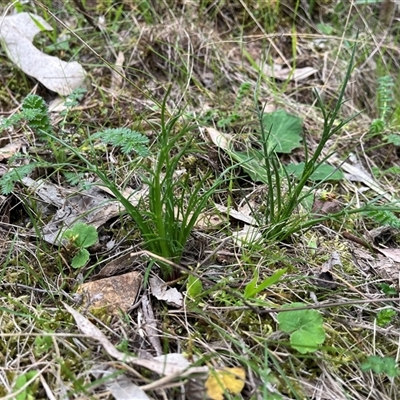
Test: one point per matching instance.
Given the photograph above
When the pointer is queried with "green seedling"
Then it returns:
(388, 290)
(42, 344)
(79, 237)
(381, 365)
(305, 328)
(28, 391)
(385, 316)
(252, 288)
(194, 287)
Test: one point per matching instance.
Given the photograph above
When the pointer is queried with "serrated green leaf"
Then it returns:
(126, 139)
(80, 259)
(379, 365)
(284, 131)
(394, 139)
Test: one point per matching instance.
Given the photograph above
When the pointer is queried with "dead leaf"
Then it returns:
(208, 221)
(239, 215)
(87, 328)
(119, 385)
(325, 277)
(325, 207)
(133, 196)
(17, 33)
(332, 262)
(150, 325)
(221, 140)
(164, 365)
(296, 74)
(159, 290)
(385, 268)
(230, 380)
(356, 172)
(115, 293)
(393, 254)
(118, 73)
(10, 149)
(249, 234)
(91, 206)
(116, 266)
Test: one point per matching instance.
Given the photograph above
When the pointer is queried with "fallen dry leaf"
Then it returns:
(167, 364)
(91, 206)
(160, 291)
(119, 385)
(17, 33)
(356, 172)
(325, 278)
(296, 74)
(249, 234)
(208, 221)
(239, 215)
(118, 73)
(221, 140)
(150, 325)
(10, 149)
(393, 254)
(115, 293)
(230, 380)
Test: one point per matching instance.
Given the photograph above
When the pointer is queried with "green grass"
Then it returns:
(189, 67)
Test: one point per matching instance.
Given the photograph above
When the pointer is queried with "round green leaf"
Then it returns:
(305, 326)
(80, 259)
(285, 131)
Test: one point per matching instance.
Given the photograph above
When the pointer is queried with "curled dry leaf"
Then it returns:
(17, 33)
(239, 215)
(221, 140)
(118, 73)
(160, 291)
(296, 74)
(248, 235)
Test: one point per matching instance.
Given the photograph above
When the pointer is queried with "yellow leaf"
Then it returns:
(227, 379)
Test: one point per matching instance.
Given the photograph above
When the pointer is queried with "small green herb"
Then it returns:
(81, 236)
(129, 141)
(30, 391)
(194, 287)
(388, 290)
(253, 289)
(42, 344)
(14, 175)
(385, 316)
(381, 365)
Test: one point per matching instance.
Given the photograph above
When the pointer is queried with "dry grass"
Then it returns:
(206, 52)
